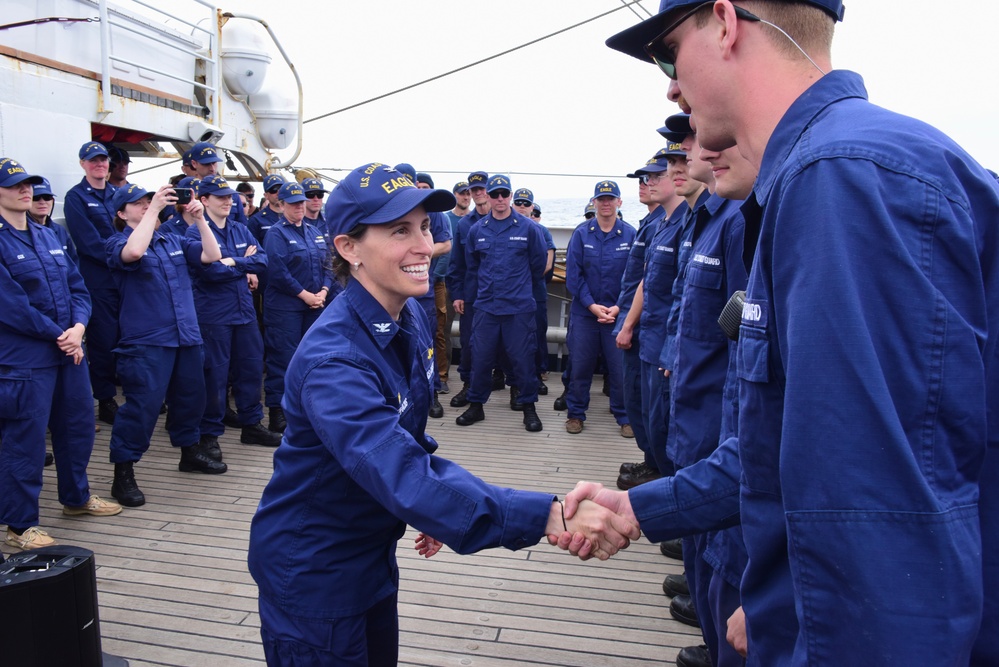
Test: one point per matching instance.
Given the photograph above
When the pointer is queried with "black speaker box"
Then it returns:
(48, 609)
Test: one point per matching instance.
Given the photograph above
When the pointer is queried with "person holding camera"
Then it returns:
(160, 354)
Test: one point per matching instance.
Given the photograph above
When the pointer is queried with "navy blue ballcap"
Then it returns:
(128, 194)
(408, 170)
(43, 188)
(291, 193)
(374, 194)
(313, 185)
(423, 177)
(271, 181)
(659, 162)
(525, 194)
(498, 182)
(590, 208)
(537, 208)
(12, 173)
(204, 153)
(214, 185)
(606, 189)
(118, 156)
(460, 186)
(679, 123)
(477, 179)
(633, 40)
(190, 182)
(92, 149)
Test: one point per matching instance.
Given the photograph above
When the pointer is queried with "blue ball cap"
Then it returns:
(606, 189)
(498, 182)
(477, 179)
(632, 41)
(204, 153)
(374, 194)
(659, 162)
(190, 182)
(408, 170)
(92, 149)
(291, 193)
(679, 123)
(313, 185)
(423, 177)
(43, 188)
(460, 186)
(272, 180)
(590, 208)
(128, 194)
(214, 185)
(524, 193)
(12, 173)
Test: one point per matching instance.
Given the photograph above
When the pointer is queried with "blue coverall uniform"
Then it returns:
(64, 238)
(297, 259)
(160, 353)
(41, 295)
(440, 230)
(463, 286)
(541, 311)
(867, 357)
(595, 262)
(355, 467)
(234, 348)
(507, 256)
(631, 363)
(261, 222)
(89, 219)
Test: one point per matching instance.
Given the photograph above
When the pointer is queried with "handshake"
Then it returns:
(598, 522)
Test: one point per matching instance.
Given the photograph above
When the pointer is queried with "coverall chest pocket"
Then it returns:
(703, 304)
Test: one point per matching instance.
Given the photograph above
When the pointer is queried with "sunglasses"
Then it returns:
(274, 190)
(665, 57)
(42, 197)
(650, 179)
(536, 214)
(499, 194)
(314, 195)
(522, 202)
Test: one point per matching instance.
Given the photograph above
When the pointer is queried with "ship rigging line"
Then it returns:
(648, 14)
(627, 4)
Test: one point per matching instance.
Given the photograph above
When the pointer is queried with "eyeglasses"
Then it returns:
(42, 197)
(665, 57)
(535, 214)
(650, 179)
(499, 194)
(522, 202)
(589, 215)
(314, 195)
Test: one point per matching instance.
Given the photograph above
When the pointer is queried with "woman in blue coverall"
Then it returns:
(298, 281)
(44, 311)
(356, 464)
(160, 352)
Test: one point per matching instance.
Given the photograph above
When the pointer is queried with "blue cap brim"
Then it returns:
(210, 161)
(294, 199)
(21, 178)
(222, 193)
(408, 199)
(632, 41)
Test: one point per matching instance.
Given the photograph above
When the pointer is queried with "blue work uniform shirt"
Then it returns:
(221, 293)
(507, 256)
(867, 336)
(262, 221)
(541, 285)
(157, 299)
(657, 284)
(440, 230)
(440, 271)
(634, 270)
(297, 259)
(356, 466)
(460, 285)
(90, 221)
(594, 263)
(175, 225)
(41, 295)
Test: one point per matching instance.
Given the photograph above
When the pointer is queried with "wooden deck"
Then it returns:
(174, 588)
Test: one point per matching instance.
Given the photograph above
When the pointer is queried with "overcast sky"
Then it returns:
(569, 104)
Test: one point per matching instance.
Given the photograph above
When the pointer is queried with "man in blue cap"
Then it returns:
(270, 213)
(867, 351)
(506, 252)
(202, 161)
(89, 219)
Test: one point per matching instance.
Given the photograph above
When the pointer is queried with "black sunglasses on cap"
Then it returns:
(499, 194)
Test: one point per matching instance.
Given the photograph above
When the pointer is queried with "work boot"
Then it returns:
(499, 380)
(532, 422)
(436, 409)
(124, 489)
(196, 459)
(629, 468)
(672, 549)
(641, 475)
(460, 399)
(256, 434)
(693, 656)
(49, 459)
(514, 404)
(231, 418)
(473, 414)
(573, 425)
(278, 423)
(560, 404)
(542, 388)
(210, 444)
(682, 609)
(107, 408)
(675, 584)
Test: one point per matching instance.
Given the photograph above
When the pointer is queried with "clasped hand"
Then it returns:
(615, 515)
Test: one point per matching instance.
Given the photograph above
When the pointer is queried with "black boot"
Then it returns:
(542, 388)
(124, 489)
(436, 409)
(560, 403)
(106, 410)
(49, 459)
(256, 434)
(210, 444)
(514, 405)
(196, 459)
(531, 420)
(230, 418)
(499, 380)
(460, 399)
(473, 414)
(278, 424)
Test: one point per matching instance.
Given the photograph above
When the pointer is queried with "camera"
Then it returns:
(183, 195)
